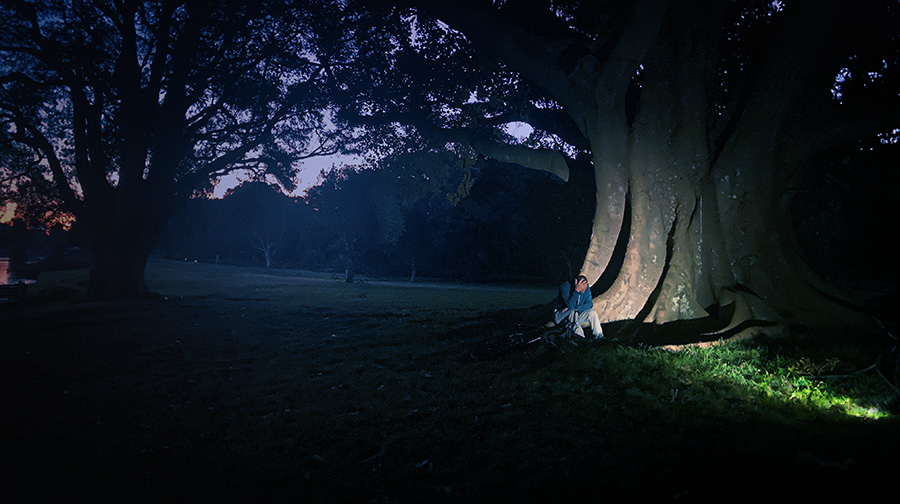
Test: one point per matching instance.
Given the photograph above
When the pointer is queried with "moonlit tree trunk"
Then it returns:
(707, 228)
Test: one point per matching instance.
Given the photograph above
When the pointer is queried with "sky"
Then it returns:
(307, 176)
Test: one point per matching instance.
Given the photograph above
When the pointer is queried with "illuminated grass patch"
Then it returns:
(738, 377)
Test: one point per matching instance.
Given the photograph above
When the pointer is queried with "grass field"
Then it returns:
(237, 386)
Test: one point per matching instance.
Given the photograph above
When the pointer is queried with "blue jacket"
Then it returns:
(574, 300)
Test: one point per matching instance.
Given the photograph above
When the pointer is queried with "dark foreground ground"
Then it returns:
(305, 390)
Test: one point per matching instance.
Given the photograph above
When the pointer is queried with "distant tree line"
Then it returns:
(412, 217)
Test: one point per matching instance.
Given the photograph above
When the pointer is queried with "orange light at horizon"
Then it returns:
(63, 219)
(66, 220)
(49, 220)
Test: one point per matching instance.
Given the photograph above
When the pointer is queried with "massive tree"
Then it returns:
(130, 107)
(699, 119)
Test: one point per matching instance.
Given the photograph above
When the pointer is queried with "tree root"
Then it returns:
(744, 332)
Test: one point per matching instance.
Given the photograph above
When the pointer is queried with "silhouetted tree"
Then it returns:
(133, 106)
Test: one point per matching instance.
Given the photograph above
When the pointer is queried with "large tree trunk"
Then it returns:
(708, 228)
(117, 270)
(123, 231)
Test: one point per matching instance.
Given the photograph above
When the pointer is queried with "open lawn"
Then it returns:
(235, 386)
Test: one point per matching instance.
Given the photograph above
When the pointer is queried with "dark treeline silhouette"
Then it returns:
(476, 223)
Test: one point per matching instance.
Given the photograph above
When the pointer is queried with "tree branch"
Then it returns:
(538, 159)
(39, 142)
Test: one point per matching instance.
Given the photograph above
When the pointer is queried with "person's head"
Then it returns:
(581, 283)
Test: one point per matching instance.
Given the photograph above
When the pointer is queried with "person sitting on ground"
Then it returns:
(575, 305)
